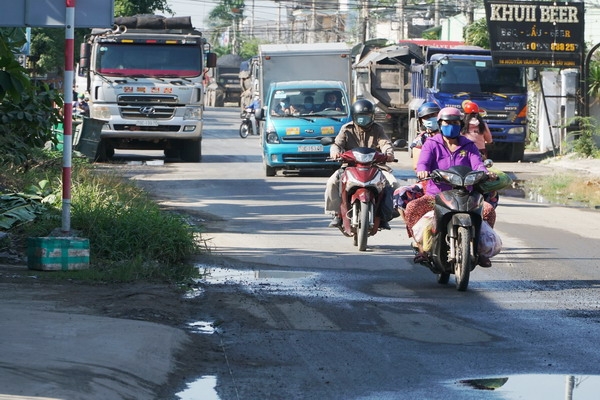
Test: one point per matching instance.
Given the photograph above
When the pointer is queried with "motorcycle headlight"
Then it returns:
(474, 177)
(452, 178)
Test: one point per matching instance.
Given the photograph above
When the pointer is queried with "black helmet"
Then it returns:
(363, 112)
(427, 108)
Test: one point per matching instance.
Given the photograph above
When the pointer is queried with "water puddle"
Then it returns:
(203, 388)
(547, 387)
(203, 327)
(216, 275)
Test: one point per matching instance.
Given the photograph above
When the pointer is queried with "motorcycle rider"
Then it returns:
(427, 117)
(362, 131)
(442, 152)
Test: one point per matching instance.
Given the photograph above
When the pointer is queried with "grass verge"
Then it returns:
(131, 237)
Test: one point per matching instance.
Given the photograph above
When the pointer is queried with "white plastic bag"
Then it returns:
(490, 243)
(423, 224)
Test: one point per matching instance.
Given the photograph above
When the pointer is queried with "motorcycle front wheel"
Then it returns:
(462, 265)
(363, 227)
(245, 129)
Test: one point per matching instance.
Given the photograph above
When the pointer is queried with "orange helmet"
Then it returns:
(471, 108)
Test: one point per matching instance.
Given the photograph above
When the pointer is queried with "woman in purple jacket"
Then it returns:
(442, 152)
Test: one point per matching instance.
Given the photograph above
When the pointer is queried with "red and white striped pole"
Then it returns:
(68, 114)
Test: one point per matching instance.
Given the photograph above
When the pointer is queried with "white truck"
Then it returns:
(301, 74)
(145, 81)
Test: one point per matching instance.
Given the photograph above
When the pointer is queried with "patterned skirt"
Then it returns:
(416, 208)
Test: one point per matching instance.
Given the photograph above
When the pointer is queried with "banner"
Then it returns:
(536, 33)
(52, 13)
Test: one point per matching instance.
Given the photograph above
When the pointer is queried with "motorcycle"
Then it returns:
(456, 225)
(363, 187)
(249, 124)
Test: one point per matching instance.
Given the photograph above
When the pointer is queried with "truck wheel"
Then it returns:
(270, 171)
(517, 150)
(191, 150)
(103, 152)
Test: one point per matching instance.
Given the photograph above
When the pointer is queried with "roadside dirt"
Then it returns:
(158, 303)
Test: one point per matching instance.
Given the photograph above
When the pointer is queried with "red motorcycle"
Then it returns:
(363, 190)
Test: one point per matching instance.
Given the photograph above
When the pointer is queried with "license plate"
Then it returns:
(146, 122)
(310, 148)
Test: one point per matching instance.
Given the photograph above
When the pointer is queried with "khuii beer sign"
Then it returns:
(536, 33)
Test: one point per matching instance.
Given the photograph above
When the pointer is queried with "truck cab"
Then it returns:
(292, 129)
(451, 76)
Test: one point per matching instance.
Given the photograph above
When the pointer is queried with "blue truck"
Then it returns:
(449, 76)
(299, 74)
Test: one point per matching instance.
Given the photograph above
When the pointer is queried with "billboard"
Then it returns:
(52, 13)
(536, 33)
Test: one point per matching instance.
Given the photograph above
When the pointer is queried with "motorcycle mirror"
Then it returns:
(327, 140)
(488, 163)
(400, 143)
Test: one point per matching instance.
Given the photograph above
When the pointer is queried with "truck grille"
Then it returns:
(147, 107)
(160, 128)
(500, 116)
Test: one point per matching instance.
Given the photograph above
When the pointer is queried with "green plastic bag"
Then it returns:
(503, 181)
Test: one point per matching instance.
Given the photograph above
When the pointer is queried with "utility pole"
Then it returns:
(364, 20)
(401, 19)
(436, 13)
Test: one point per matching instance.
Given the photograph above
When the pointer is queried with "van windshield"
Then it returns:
(480, 77)
(152, 60)
(314, 102)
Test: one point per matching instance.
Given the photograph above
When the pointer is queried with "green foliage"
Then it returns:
(131, 237)
(594, 80)
(583, 138)
(27, 123)
(249, 47)
(125, 8)
(13, 78)
(477, 34)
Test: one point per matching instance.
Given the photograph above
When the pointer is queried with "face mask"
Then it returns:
(363, 120)
(450, 131)
(308, 105)
(474, 122)
(431, 124)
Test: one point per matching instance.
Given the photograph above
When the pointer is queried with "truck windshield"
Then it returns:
(153, 60)
(480, 76)
(315, 102)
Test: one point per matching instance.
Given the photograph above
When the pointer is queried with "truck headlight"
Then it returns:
(193, 113)
(516, 131)
(272, 138)
(100, 112)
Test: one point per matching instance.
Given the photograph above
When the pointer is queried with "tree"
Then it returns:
(126, 8)
(27, 112)
(477, 34)
(226, 15)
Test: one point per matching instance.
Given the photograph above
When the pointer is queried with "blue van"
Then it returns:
(296, 116)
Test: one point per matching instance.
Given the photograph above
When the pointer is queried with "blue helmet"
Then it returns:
(427, 108)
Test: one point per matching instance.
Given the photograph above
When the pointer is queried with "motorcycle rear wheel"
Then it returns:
(245, 129)
(363, 227)
(462, 265)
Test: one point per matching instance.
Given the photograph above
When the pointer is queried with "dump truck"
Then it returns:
(225, 82)
(382, 75)
(144, 77)
(450, 76)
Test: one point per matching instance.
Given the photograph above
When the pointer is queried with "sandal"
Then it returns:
(484, 262)
(421, 258)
